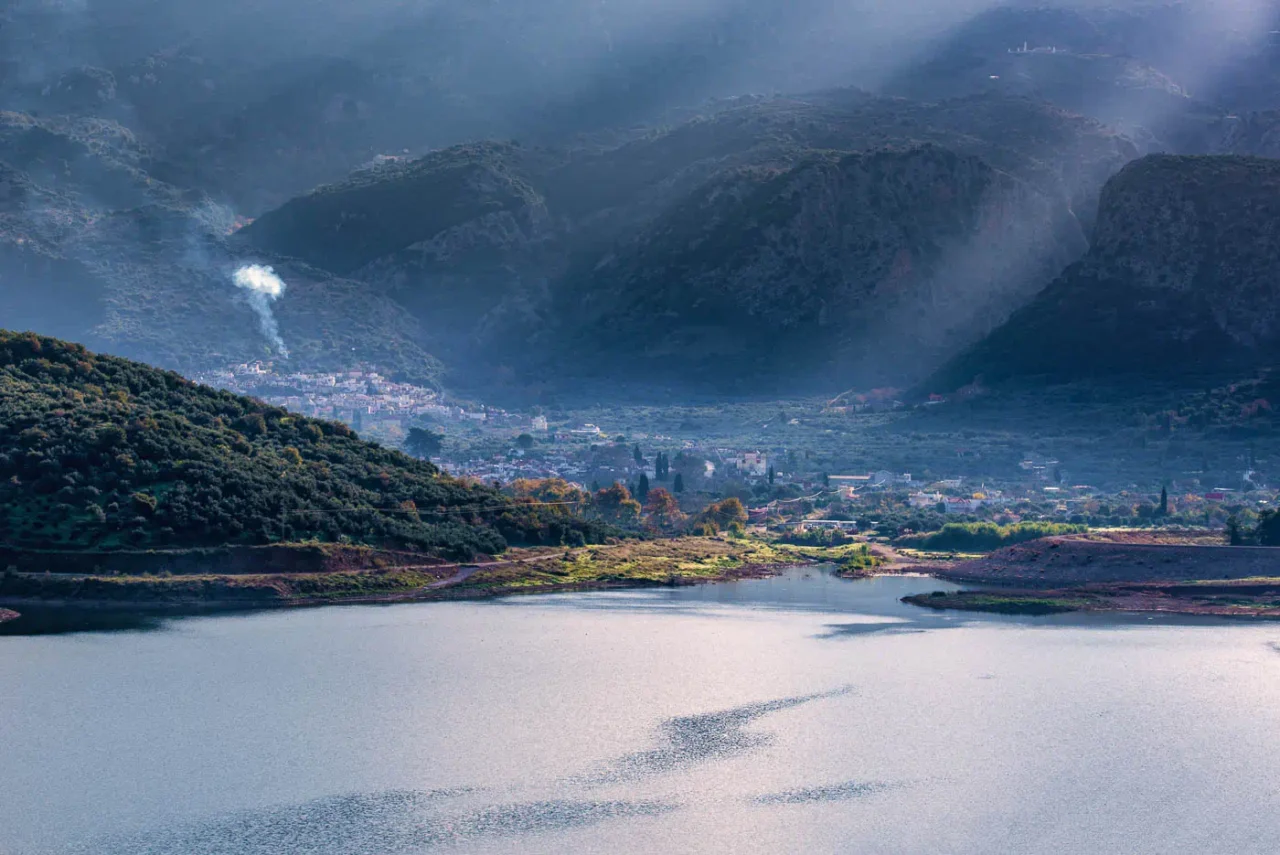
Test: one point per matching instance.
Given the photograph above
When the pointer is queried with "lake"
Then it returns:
(802, 714)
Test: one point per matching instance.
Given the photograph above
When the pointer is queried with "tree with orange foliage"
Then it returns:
(614, 504)
(725, 513)
(662, 511)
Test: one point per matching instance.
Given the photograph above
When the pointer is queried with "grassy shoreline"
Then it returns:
(679, 561)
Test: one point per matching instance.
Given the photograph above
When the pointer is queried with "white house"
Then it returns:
(962, 506)
(833, 525)
(752, 463)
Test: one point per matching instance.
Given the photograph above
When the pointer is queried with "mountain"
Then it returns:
(782, 234)
(257, 104)
(471, 193)
(99, 452)
(93, 246)
(841, 267)
(1180, 281)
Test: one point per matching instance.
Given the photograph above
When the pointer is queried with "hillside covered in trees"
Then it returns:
(1179, 282)
(98, 452)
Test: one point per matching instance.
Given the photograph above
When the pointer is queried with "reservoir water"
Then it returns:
(803, 714)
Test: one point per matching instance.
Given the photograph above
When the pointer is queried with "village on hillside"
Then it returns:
(783, 485)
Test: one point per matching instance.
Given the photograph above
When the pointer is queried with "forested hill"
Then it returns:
(1179, 282)
(100, 452)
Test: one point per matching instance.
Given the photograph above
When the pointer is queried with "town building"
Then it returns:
(753, 463)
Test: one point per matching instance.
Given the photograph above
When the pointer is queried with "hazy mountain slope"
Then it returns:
(375, 212)
(257, 103)
(40, 290)
(599, 193)
(842, 266)
(1223, 54)
(149, 133)
(1171, 76)
(490, 245)
(1059, 152)
(1181, 279)
(94, 247)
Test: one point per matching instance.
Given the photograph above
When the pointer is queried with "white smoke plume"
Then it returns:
(263, 288)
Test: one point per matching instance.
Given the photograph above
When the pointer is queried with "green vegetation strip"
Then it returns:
(985, 536)
(685, 559)
(1010, 603)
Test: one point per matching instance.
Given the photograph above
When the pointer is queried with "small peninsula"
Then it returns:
(1132, 571)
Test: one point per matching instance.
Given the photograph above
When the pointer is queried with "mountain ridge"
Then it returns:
(519, 242)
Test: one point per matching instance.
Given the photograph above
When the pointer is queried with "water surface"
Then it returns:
(799, 714)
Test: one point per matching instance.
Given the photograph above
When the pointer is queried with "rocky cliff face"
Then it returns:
(1181, 280)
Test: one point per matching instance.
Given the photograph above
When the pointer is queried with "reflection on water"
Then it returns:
(799, 714)
(698, 738)
(816, 589)
(34, 620)
(811, 589)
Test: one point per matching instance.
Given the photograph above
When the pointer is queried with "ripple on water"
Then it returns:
(369, 824)
(831, 793)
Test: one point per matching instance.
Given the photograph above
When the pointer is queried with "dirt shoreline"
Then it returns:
(283, 558)
(1125, 572)
(1131, 599)
(458, 592)
(1068, 561)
